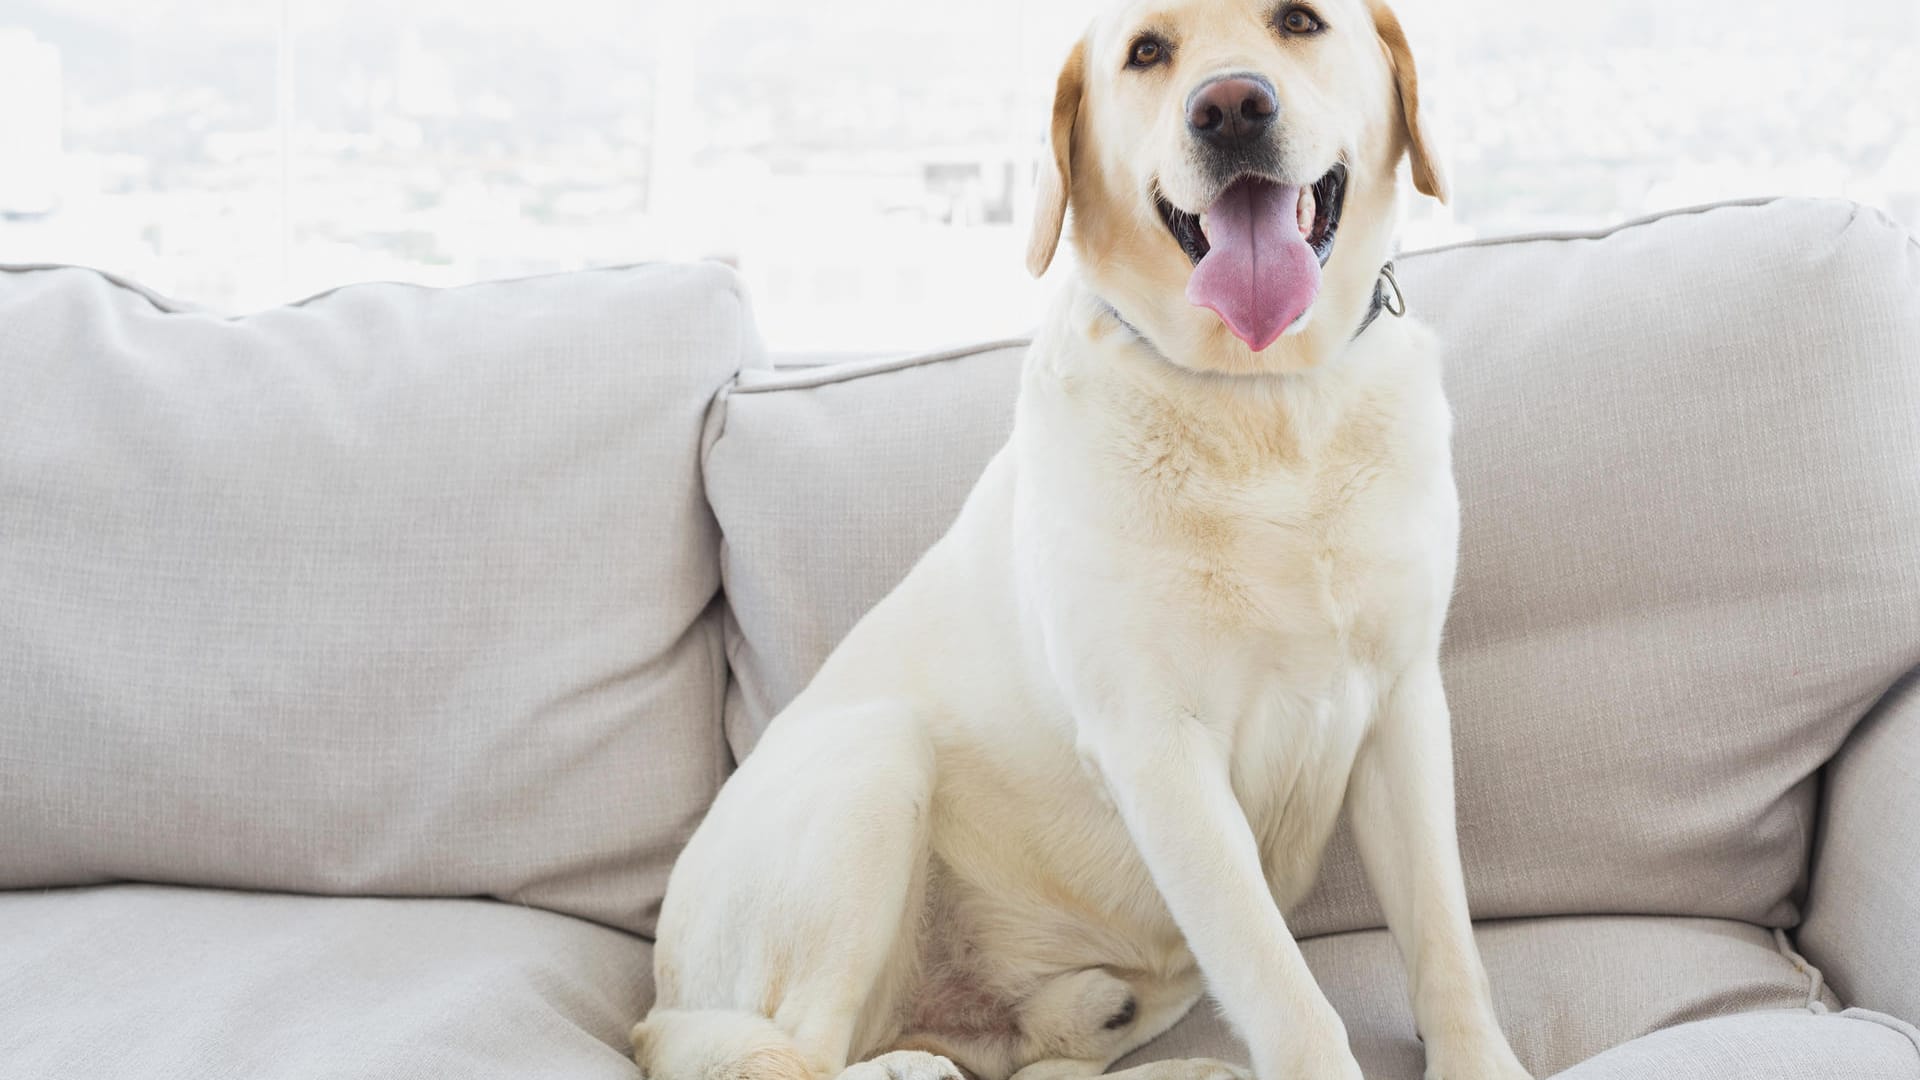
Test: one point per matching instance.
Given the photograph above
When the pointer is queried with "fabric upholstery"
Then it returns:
(397, 590)
(1685, 453)
(835, 480)
(1766, 1046)
(1863, 916)
(165, 983)
(1691, 520)
(1566, 989)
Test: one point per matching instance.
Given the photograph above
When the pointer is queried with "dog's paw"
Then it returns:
(904, 1065)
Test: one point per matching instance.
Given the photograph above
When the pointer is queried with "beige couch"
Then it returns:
(364, 662)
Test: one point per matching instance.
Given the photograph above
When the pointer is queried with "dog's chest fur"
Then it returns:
(1270, 523)
(1312, 521)
(1280, 550)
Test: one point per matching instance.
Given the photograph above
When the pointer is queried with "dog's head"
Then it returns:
(1233, 171)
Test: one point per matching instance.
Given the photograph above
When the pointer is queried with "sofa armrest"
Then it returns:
(1863, 909)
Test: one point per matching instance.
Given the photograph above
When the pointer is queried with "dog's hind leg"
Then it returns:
(791, 924)
(714, 1044)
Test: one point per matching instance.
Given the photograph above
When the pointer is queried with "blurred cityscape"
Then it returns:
(864, 163)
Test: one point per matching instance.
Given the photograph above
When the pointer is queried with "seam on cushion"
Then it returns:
(1892, 1023)
(164, 304)
(1896, 690)
(1859, 212)
(1564, 917)
(713, 423)
(731, 643)
(722, 678)
(712, 431)
(1554, 236)
(714, 427)
(826, 375)
(1887, 220)
(1806, 820)
(1816, 980)
(171, 306)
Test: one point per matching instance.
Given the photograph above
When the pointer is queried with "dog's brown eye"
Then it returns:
(1146, 53)
(1300, 21)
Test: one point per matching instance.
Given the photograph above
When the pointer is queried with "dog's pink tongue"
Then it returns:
(1259, 274)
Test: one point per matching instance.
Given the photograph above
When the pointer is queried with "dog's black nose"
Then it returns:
(1231, 110)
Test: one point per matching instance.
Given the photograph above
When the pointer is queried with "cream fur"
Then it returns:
(1073, 770)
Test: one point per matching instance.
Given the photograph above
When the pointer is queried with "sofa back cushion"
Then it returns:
(395, 591)
(1688, 453)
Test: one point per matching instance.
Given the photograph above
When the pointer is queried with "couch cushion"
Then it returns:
(197, 984)
(1566, 989)
(1767, 1046)
(397, 590)
(1685, 452)
(831, 482)
(1864, 902)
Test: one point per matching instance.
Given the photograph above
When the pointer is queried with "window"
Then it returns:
(865, 163)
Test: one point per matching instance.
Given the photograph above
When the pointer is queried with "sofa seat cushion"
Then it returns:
(1566, 990)
(395, 591)
(168, 983)
(1853, 1045)
(1690, 516)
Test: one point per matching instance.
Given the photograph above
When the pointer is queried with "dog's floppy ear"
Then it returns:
(1056, 174)
(1428, 175)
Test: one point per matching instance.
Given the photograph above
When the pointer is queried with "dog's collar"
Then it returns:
(1386, 297)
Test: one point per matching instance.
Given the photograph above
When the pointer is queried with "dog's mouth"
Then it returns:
(1257, 250)
(1317, 213)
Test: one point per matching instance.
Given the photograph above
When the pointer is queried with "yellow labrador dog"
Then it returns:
(1072, 771)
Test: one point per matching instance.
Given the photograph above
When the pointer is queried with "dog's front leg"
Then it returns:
(1167, 773)
(1401, 801)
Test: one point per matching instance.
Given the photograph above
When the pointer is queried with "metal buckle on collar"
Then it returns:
(1397, 306)
(1387, 297)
